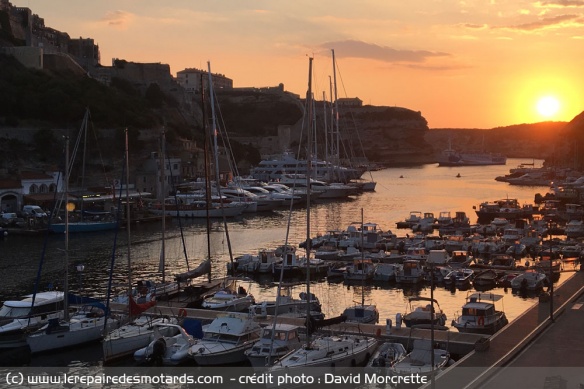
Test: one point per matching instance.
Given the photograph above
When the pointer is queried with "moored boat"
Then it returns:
(479, 315)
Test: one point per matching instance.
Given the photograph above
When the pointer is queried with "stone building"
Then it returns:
(190, 80)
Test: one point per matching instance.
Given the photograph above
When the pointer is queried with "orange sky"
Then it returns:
(466, 63)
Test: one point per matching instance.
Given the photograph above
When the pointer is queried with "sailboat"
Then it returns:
(87, 221)
(361, 312)
(139, 331)
(87, 324)
(322, 351)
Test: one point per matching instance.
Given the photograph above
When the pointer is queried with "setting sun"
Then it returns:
(548, 106)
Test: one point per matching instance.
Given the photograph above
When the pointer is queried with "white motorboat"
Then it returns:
(410, 272)
(362, 313)
(419, 313)
(225, 340)
(230, 298)
(285, 303)
(263, 262)
(134, 335)
(419, 360)
(386, 355)
(385, 272)
(479, 315)
(361, 270)
(166, 350)
(275, 342)
(530, 279)
(460, 278)
(20, 316)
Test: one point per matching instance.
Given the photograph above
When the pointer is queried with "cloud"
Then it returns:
(557, 21)
(560, 3)
(119, 19)
(359, 49)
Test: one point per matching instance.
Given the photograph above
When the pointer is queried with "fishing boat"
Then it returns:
(479, 315)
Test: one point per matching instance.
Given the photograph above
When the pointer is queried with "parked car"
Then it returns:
(33, 211)
(9, 219)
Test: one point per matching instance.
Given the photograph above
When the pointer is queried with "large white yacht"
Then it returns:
(272, 169)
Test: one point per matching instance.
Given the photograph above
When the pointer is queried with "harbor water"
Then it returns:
(399, 191)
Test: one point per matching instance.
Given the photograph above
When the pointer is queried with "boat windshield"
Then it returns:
(7, 311)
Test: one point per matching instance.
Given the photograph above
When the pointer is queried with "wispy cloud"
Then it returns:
(359, 49)
(560, 3)
(552, 22)
(119, 19)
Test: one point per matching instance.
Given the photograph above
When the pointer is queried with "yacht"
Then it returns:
(273, 169)
(225, 340)
(20, 316)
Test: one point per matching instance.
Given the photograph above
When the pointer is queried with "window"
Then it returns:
(33, 189)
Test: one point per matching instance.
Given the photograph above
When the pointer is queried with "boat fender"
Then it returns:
(398, 320)
(182, 312)
(481, 321)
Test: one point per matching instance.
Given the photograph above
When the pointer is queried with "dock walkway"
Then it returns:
(508, 345)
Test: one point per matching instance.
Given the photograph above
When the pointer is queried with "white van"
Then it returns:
(33, 211)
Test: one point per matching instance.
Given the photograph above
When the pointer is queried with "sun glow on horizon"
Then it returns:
(548, 106)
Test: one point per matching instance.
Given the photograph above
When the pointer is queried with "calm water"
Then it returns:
(428, 188)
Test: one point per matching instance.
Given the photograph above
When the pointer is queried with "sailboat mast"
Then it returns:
(207, 179)
(336, 112)
(362, 263)
(308, 188)
(128, 223)
(216, 156)
(162, 264)
(66, 281)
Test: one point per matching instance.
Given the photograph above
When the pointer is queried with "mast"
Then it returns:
(216, 156)
(162, 264)
(308, 189)
(336, 113)
(128, 226)
(362, 263)
(66, 281)
(207, 180)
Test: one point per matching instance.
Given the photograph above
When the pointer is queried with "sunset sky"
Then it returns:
(467, 63)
